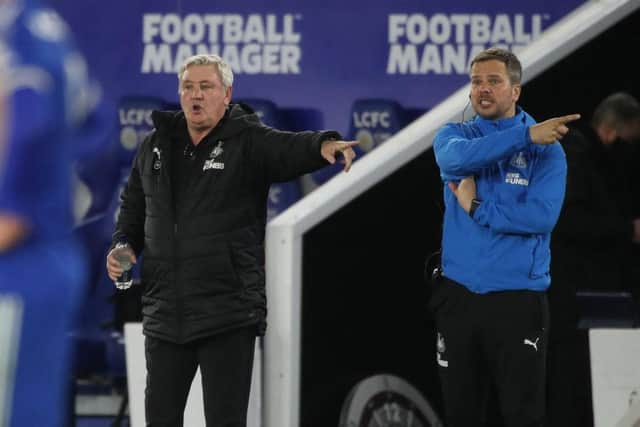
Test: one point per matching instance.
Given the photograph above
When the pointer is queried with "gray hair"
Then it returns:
(224, 70)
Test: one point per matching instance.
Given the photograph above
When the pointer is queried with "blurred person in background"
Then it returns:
(595, 243)
(504, 182)
(46, 96)
(195, 207)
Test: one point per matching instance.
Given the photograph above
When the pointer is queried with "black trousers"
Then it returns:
(226, 362)
(495, 341)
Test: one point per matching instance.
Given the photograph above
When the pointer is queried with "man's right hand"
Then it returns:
(330, 148)
(113, 266)
(551, 130)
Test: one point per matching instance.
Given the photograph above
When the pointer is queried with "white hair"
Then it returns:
(224, 70)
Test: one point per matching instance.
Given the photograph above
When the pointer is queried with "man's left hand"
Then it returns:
(330, 149)
(465, 192)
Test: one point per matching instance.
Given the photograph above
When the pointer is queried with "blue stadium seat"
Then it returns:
(266, 110)
(96, 179)
(134, 115)
(414, 113)
(373, 121)
(100, 165)
(96, 168)
(301, 119)
(96, 340)
(99, 356)
(298, 120)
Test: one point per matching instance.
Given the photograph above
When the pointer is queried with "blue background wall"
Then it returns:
(338, 51)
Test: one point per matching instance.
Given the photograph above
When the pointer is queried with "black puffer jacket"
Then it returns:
(203, 258)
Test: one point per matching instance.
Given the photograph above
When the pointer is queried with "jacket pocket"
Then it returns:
(208, 275)
(154, 277)
(150, 183)
(248, 264)
(540, 259)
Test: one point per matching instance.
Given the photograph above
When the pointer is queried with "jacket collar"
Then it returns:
(237, 118)
(520, 118)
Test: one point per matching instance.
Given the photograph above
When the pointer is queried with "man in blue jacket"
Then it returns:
(504, 179)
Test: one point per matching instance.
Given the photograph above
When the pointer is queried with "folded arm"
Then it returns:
(538, 212)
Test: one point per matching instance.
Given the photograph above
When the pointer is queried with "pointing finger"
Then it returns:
(342, 146)
(568, 118)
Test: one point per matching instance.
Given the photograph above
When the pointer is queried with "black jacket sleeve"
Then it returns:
(282, 156)
(130, 222)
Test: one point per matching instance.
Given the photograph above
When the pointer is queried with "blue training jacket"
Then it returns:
(505, 246)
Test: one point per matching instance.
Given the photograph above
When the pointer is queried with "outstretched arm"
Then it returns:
(282, 156)
(460, 155)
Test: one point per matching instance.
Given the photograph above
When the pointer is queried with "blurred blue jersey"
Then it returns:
(47, 99)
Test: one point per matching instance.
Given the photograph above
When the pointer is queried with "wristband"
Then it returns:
(474, 205)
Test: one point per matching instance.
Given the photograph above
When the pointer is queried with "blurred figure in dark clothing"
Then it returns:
(600, 222)
(594, 245)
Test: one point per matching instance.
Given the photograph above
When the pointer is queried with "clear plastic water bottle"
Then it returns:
(122, 253)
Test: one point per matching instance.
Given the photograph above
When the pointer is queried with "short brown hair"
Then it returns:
(509, 59)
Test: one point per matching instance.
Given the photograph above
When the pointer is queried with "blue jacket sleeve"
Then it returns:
(539, 211)
(458, 155)
(25, 177)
